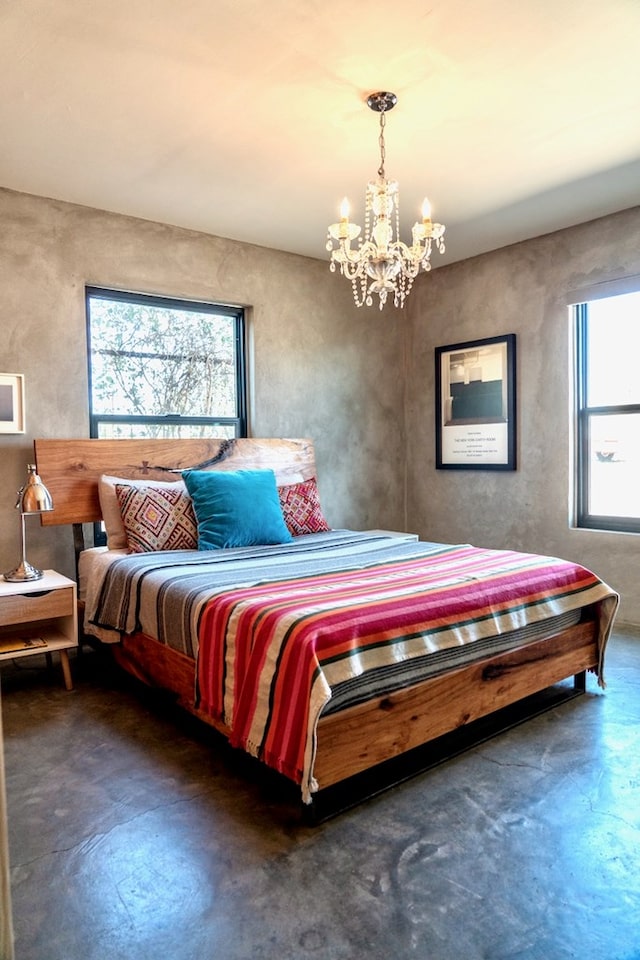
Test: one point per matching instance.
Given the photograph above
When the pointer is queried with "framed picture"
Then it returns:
(11, 403)
(476, 405)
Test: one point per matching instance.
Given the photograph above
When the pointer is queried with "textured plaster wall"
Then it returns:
(318, 366)
(360, 382)
(522, 289)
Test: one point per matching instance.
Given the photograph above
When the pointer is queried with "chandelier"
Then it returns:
(381, 263)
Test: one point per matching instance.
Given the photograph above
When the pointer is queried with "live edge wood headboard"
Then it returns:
(70, 469)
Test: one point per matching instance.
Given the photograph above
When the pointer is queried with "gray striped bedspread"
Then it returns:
(163, 595)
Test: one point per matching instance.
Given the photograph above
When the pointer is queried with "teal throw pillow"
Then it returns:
(236, 508)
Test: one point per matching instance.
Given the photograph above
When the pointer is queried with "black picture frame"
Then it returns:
(476, 404)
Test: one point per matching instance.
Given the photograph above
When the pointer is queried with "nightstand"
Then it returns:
(39, 616)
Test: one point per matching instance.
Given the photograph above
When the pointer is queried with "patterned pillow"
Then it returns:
(301, 508)
(157, 518)
(110, 508)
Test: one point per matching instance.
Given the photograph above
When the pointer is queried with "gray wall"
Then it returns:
(522, 289)
(360, 382)
(318, 366)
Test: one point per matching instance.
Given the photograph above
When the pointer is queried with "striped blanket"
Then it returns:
(163, 593)
(271, 653)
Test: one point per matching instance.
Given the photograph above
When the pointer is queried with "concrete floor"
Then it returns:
(135, 834)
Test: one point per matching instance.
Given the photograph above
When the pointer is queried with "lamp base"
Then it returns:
(24, 571)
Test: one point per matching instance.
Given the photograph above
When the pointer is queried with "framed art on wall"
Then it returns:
(476, 404)
(11, 403)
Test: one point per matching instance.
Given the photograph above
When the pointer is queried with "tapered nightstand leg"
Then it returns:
(66, 669)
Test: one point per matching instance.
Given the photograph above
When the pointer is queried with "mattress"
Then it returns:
(196, 576)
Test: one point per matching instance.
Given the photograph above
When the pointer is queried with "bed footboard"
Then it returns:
(416, 715)
(361, 737)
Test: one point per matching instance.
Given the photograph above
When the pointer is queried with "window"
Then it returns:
(164, 368)
(608, 412)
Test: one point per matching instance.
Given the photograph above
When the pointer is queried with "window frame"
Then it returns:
(584, 413)
(239, 422)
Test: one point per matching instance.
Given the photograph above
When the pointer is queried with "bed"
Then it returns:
(327, 653)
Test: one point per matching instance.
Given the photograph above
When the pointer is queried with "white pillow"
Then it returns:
(110, 507)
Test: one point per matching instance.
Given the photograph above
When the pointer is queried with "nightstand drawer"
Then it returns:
(39, 605)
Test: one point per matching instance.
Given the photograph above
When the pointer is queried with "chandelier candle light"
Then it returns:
(381, 264)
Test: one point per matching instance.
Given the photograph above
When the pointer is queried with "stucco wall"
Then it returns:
(358, 381)
(318, 366)
(522, 289)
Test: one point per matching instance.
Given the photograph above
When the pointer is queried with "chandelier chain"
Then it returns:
(383, 153)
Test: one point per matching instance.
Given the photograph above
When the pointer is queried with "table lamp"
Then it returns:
(33, 497)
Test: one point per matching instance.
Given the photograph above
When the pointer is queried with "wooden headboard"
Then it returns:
(70, 469)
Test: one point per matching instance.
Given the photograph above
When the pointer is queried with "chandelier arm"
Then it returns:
(411, 259)
(355, 262)
(349, 255)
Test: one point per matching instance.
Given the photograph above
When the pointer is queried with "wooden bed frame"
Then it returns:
(360, 737)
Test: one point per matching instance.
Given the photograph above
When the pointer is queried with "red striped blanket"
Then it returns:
(269, 654)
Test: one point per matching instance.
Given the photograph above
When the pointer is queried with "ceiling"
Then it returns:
(247, 119)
